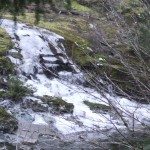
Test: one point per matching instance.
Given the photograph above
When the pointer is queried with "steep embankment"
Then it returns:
(54, 99)
(59, 104)
(109, 38)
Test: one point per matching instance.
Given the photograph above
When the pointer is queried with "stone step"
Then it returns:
(29, 133)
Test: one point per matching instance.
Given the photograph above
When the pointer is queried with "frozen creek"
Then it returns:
(43, 52)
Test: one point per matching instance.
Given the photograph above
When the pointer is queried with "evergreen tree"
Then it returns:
(17, 7)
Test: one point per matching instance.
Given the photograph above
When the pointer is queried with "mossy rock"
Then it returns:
(8, 123)
(37, 107)
(34, 105)
(58, 106)
(96, 107)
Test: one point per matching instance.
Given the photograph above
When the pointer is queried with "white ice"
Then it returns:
(38, 119)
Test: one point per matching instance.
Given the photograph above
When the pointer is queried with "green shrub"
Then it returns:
(5, 42)
(15, 90)
(6, 67)
(4, 115)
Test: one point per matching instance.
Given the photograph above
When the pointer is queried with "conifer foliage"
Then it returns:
(17, 7)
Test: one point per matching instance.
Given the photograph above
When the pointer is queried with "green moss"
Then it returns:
(132, 10)
(6, 67)
(78, 53)
(18, 56)
(5, 42)
(144, 38)
(78, 7)
(97, 106)
(59, 24)
(110, 31)
(58, 105)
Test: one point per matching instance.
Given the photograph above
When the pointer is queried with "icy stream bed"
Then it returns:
(33, 43)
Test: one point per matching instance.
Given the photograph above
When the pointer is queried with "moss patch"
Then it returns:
(78, 7)
(6, 67)
(58, 105)
(97, 107)
(5, 42)
(17, 56)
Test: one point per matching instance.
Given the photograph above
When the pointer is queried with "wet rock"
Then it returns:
(28, 133)
(39, 107)
(35, 105)
(6, 104)
(8, 123)
(55, 63)
(24, 116)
